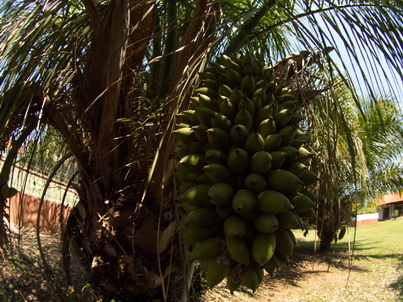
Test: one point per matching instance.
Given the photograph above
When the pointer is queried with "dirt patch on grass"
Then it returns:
(323, 277)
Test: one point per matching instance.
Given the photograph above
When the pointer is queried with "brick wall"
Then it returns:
(23, 211)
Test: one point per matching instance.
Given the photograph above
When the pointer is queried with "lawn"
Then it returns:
(372, 271)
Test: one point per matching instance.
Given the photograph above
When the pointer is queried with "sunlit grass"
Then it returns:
(384, 238)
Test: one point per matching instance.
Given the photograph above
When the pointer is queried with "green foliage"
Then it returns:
(395, 214)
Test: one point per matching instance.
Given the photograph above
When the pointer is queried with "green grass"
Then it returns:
(382, 239)
(376, 261)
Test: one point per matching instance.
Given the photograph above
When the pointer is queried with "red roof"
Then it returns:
(389, 198)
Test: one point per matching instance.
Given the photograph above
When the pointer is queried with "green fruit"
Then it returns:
(282, 117)
(208, 75)
(250, 216)
(289, 104)
(224, 90)
(212, 93)
(186, 185)
(283, 181)
(286, 97)
(193, 163)
(238, 134)
(238, 161)
(288, 133)
(266, 223)
(200, 133)
(247, 104)
(278, 159)
(218, 138)
(342, 232)
(272, 142)
(203, 179)
(261, 84)
(182, 125)
(185, 135)
(236, 96)
(233, 283)
(284, 243)
(215, 156)
(257, 102)
(273, 202)
(218, 173)
(296, 167)
(267, 127)
(282, 258)
(220, 194)
(259, 273)
(303, 154)
(234, 78)
(216, 272)
(292, 154)
(268, 73)
(308, 193)
(248, 84)
(224, 211)
(288, 220)
(255, 182)
(210, 83)
(238, 250)
(196, 147)
(302, 202)
(248, 60)
(208, 102)
(221, 121)
(227, 109)
(196, 195)
(308, 214)
(294, 240)
(235, 226)
(264, 113)
(263, 248)
(195, 234)
(272, 87)
(249, 278)
(8, 192)
(190, 115)
(272, 265)
(244, 118)
(308, 178)
(295, 119)
(181, 173)
(243, 201)
(254, 143)
(297, 143)
(204, 115)
(208, 248)
(202, 216)
(261, 162)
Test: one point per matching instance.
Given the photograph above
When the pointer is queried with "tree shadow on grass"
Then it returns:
(305, 262)
(398, 285)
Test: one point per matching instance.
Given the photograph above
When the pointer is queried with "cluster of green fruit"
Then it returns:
(242, 175)
(8, 192)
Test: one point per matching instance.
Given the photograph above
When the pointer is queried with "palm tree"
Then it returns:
(109, 78)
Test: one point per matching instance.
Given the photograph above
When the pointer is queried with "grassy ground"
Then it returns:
(372, 271)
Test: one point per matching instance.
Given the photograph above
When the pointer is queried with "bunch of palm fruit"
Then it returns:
(242, 173)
